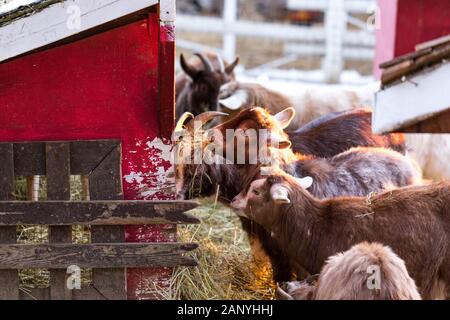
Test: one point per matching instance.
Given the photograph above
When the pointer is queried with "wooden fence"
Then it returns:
(107, 254)
(336, 41)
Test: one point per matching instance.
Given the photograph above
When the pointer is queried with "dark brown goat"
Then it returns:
(183, 79)
(368, 271)
(203, 179)
(197, 89)
(413, 221)
(340, 131)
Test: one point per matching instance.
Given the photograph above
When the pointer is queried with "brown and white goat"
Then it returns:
(368, 271)
(197, 89)
(413, 221)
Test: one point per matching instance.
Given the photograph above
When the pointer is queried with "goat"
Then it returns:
(197, 90)
(431, 152)
(236, 96)
(309, 104)
(413, 221)
(354, 124)
(218, 64)
(368, 271)
(339, 131)
(355, 172)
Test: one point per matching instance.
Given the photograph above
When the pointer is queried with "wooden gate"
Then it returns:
(107, 254)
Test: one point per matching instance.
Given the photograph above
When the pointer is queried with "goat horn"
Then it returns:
(181, 122)
(283, 295)
(206, 62)
(205, 117)
(221, 64)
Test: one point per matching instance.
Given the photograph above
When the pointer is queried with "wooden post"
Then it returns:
(105, 183)
(58, 188)
(230, 10)
(9, 279)
(335, 27)
(33, 188)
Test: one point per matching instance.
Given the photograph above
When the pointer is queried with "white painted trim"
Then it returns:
(51, 24)
(419, 98)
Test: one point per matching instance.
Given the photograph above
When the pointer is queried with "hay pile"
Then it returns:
(226, 268)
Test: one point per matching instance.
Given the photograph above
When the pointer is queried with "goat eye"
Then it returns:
(256, 192)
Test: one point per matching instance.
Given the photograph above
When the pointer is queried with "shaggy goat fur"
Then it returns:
(368, 271)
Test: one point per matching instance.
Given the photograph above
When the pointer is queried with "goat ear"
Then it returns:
(305, 182)
(230, 68)
(279, 194)
(285, 117)
(279, 142)
(236, 101)
(187, 68)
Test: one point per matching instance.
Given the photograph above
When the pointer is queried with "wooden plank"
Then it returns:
(96, 255)
(58, 188)
(95, 212)
(34, 293)
(29, 159)
(35, 31)
(105, 183)
(439, 123)
(414, 66)
(433, 43)
(396, 71)
(9, 279)
(85, 156)
(401, 59)
(32, 191)
(85, 293)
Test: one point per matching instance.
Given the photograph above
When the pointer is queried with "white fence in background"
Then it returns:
(334, 41)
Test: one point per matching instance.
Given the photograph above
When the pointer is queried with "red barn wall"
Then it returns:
(106, 86)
